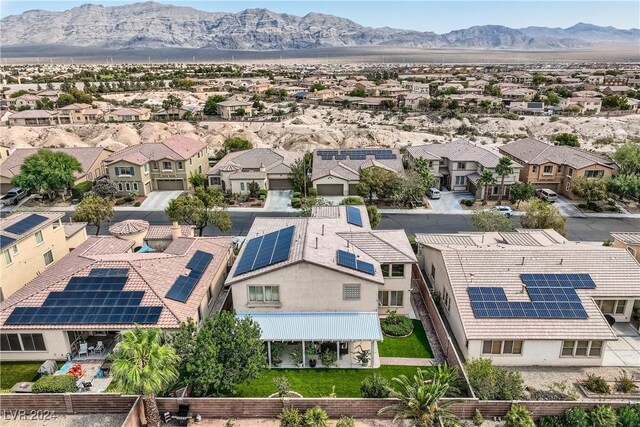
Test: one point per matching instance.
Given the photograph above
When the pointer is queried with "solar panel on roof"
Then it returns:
(26, 224)
(265, 250)
(349, 260)
(353, 216)
(184, 285)
(6, 241)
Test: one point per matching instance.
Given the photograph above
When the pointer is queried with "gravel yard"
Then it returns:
(90, 420)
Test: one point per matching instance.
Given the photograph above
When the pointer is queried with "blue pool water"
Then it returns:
(65, 368)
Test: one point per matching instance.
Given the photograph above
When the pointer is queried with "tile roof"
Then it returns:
(350, 169)
(520, 237)
(153, 273)
(33, 114)
(128, 226)
(163, 232)
(457, 150)
(273, 160)
(630, 238)
(386, 246)
(532, 151)
(87, 156)
(129, 111)
(175, 148)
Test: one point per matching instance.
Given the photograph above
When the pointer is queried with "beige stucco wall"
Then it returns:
(398, 284)
(56, 343)
(206, 305)
(75, 240)
(307, 287)
(635, 248)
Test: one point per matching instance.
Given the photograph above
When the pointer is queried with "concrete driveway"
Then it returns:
(278, 201)
(567, 208)
(626, 350)
(449, 202)
(158, 200)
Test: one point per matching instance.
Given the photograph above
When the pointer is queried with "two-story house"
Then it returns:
(232, 108)
(586, 105)
(267, 167)
(458, 165)
(79, 113)
(322, 282)
(554, 166)
(152, 166)
(30, 243)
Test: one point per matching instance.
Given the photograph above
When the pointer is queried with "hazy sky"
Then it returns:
(437, 16)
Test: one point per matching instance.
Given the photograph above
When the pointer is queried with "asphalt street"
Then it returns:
(580, 229)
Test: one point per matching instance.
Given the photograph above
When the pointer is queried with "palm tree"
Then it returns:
(420, 399)
(503, 168)
(486, 179)
(142, 365)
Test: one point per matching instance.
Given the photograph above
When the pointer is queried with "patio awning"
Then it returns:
(317, 326)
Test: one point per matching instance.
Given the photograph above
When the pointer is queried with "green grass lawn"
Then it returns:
(15, 372)
(415, 345)
(319, 382)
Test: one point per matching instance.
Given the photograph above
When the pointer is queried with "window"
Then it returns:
(7, 258)
(154, 166)
(180, 166)
(209, 295)
(461, 180)
(596, 349)
(392, 270)
(502, 347)
(39, 237)
(242, 186)
(567, 348)
(351, 292)
(548, 170)
(14, 249)
(146, 167)
(632, 251)
(462, 165)
(48, 257)
(127, 186)
(10, 342)
(433, 271)
(582, 348)
(214, 180)
(390, 298)
(166, 166)
(128, 171)
(594, 174)
(447, 300)
(264, 294)
(560, 169)
(570, 172)
(135, 186)
(534, 169)
(612, 306)
(120, 186)
(385, 270)
(33, 342)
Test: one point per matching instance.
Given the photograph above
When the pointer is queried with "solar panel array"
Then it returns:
(552, 296)
(6, 241)
(265, 250)
(378, 154)
(349, 260)
(184, 285)
(354, 216)
(98, 298)
(26, 224)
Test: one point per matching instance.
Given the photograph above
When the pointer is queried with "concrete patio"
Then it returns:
(625, 352)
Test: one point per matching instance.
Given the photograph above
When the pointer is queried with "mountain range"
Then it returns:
(152, 25)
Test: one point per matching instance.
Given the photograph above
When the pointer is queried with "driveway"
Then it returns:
(626, 350)
(449, 202)
(158, 200)
(278, 201)
(567, 208)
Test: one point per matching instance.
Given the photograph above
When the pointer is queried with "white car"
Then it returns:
(504, 210)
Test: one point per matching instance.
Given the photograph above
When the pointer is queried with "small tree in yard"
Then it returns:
(299, 174)
(94, 210)
(628, 158)
(377, 180)
(211, 105)
(205, 207)
(47, 172)
(503, 168)
(105, 188)
(624, 186)
(540, 214)
(592, 190)
(521, 191)
(197, 179)
(566, 139)
(374, 216)
(485, 181)
(171, 102)
(224, 352)
(233, 144)
(253, 188)
(491, 220)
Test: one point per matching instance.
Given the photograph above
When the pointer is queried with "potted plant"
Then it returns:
(277, 348)
(312, 352)
(296, 356)
(363, 356)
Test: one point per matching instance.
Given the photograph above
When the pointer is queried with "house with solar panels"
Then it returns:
(31, 243)
(104, 287)
(531, 297)
(322, 282)
(337, 172)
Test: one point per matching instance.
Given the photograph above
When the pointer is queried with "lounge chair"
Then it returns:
(99, 347)
(84, 349)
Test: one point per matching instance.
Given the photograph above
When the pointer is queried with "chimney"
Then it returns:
(262, 168)
(176, 231)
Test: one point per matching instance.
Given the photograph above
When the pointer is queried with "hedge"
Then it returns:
(55, 384)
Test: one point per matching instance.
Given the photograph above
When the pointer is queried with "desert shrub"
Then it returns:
(346, 422)
(509, 384)
(492, 382)
(397, 325)
(137, 204)
(120, 201)
(576, 417)
(290, 418)
(352, 200)
(131, 196)
(312, 192)
(519, 416)
(629, 416)
(316, 417)
(468, 202)
(296, 195)
(478, 419)
(625, 384)
(55, 384)
(77, 192)
(296, 203)
(374, 386)
(554, 119)
(596, 384)
(262, 197)
(603, 416)
(263, 192)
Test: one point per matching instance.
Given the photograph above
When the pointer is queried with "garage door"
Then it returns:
(330, 189)
(170, 184)
(279, 184)
(352, 189)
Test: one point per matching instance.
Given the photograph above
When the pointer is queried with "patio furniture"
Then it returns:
(48, 367)
(91, 349)
(106, 368)
(84, 385)
(182, 415)
(99, 348)
(83, 349)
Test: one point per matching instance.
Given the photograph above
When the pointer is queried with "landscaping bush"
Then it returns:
(137, 204)
(467, 202)
(351, 200)
(509, 384)
(55, 384)
(603, 416)
(283, 388)
(551, 421)
(492, 382)
(312, 192)
(131, 196)
(120, 201)
(296, 195)
(629, 416)
(518, 416)
(625, 384)
(329, 358)
(290, 418)
(77, 192)
(397, 325)
(346, 422)
(478, 419)
(263, 192)
(576, 417)
(316, 417)
(596, 384)
(296, 203)
(262, 197)
(374, 387)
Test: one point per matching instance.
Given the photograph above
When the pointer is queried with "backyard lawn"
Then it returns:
(15, 372)
(415, 345)
(319, 382)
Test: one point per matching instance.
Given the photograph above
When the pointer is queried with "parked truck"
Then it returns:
(13, 196)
